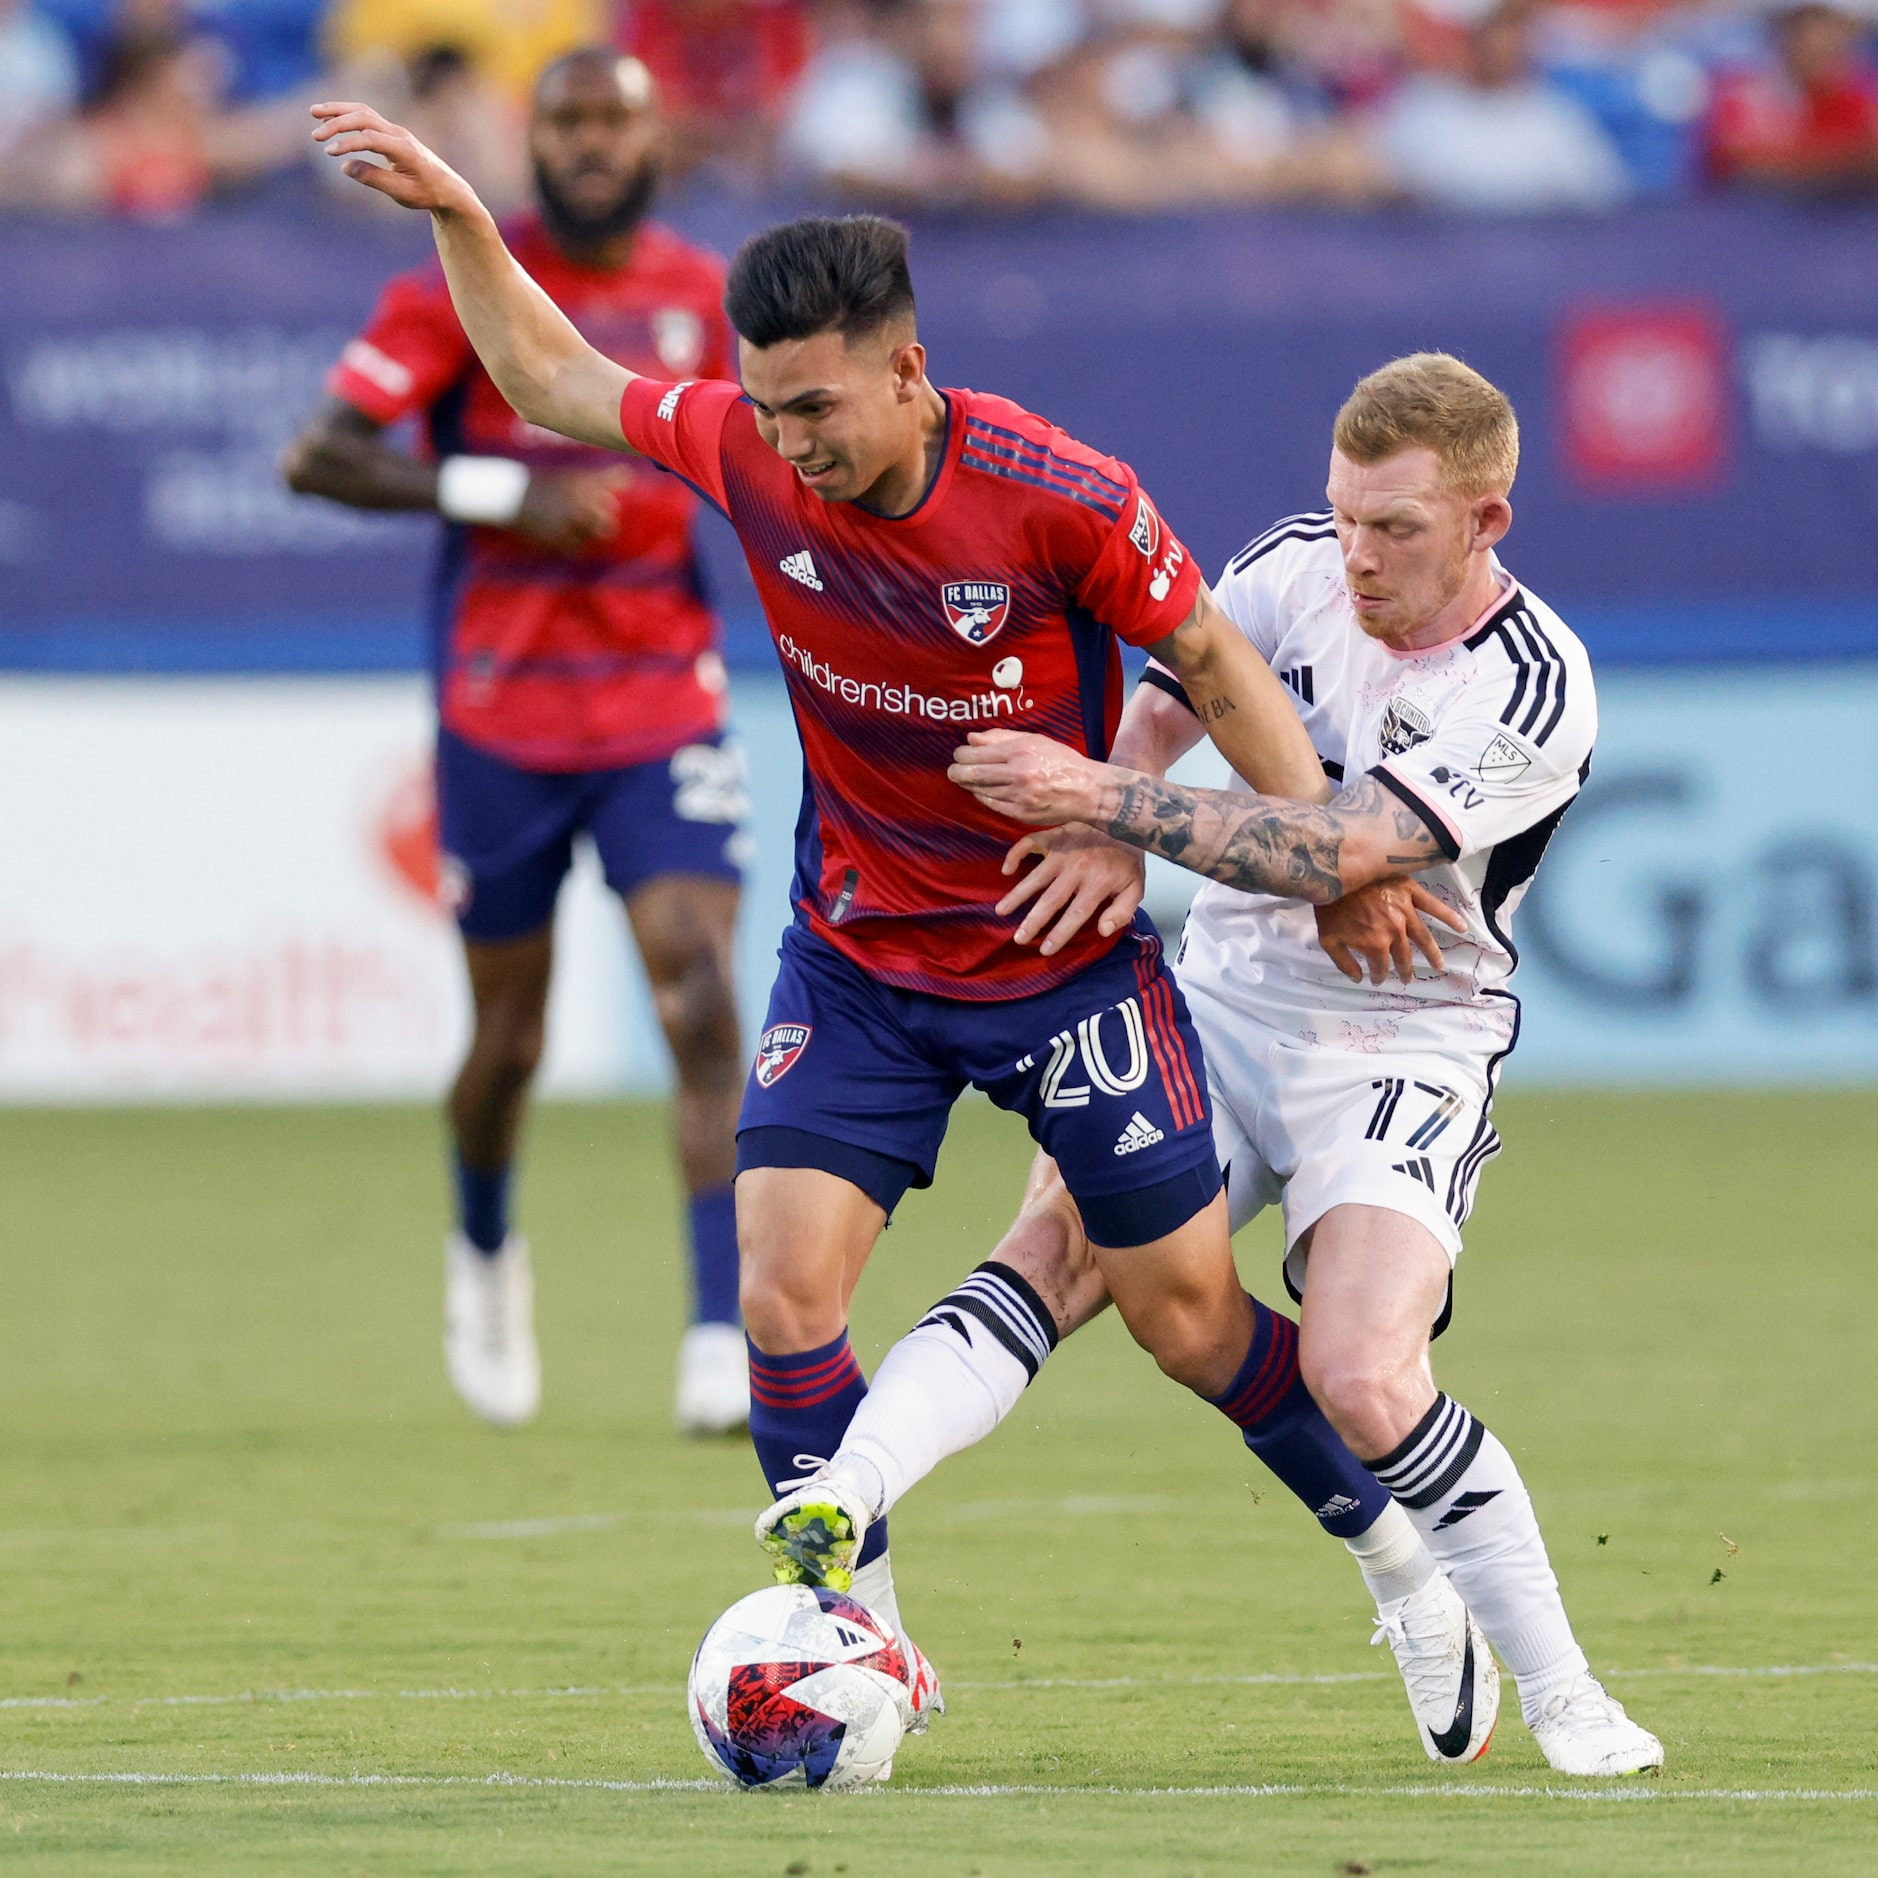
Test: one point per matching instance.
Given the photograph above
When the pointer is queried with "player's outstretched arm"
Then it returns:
(546, 370)
(1258, 844)
(1242, 705)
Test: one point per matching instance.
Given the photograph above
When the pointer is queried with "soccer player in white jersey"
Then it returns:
(1456, 712)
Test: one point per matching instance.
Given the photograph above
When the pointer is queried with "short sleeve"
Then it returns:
(1144, 583)
(410, 353)
(1493, 767)
(1249, 594)
(681, 428)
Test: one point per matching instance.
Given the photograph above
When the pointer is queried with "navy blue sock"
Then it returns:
(1286, 1429)
(800, 1407)
(714, 1256)
(482, 1206)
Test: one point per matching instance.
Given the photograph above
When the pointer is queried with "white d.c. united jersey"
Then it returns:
(1487, 737)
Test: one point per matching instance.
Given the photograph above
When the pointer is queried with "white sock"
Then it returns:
(946, 1384)
(1394, 1557)
(873, 1587)
(1465, 1496)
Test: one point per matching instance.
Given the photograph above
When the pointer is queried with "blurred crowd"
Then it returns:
(149, 108)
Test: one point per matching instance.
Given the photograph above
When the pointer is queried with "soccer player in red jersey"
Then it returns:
(930, 561)
(580, 690)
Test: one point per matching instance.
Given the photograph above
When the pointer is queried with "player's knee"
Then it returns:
(1358, 1397)
(697, 1009)
(1186, 1337)
(783, 1312)
(509, 1043)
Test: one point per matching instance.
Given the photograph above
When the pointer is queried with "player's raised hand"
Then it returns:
(1381, 926)
(1030, 779)
(1077, 872)
(410, 174)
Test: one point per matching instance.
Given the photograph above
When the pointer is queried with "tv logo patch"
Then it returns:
(976, 609)
(777, 1050)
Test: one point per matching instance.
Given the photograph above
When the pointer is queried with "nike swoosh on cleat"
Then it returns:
(1451, 1742)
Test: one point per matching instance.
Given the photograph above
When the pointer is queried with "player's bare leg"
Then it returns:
(1375, 1283)
(489, 1332)
(685, 928)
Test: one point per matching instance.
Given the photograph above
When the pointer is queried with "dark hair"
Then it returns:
(821, 274)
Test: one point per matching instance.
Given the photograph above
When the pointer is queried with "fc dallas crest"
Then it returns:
(778, 1049)
(976, 609)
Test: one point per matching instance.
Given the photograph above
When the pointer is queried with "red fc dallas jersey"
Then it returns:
(554, 663)
(995, 603)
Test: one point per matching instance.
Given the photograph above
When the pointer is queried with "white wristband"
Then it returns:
(485, 489)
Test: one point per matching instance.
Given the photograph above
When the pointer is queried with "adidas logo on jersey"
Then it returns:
(1337, 1504)
(1140, 1133)
(801, 566)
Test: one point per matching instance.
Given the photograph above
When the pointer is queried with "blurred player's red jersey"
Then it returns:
(995, 603)
(551, 662)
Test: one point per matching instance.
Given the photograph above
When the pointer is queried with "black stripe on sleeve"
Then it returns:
(1436, 826)
(1166, 681)
(1314, 525)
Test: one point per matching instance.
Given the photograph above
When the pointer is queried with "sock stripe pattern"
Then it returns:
(1004, 1302)
(1438, 1451)
(781, 1383)
(1268, 1373)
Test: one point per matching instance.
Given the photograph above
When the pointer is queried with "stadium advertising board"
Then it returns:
(1698, 392)
(225, 890)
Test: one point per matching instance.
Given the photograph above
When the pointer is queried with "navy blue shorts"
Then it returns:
(858, 1078)
(507, 834)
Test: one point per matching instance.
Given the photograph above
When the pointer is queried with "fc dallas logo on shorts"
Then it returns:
(976, 609)
(778, 1049)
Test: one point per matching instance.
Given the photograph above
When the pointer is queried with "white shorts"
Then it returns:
(1386, 1108)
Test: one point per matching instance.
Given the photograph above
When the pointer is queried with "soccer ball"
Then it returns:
(800, 1687)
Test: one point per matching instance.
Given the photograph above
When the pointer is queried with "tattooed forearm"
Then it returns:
(1261, 844)
(1212, 710)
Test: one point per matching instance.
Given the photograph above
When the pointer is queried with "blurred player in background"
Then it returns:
(580, 692)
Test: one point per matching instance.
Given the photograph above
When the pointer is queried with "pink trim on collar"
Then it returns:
(1507, 584)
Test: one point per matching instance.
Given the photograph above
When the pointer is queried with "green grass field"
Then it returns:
(270, 1602)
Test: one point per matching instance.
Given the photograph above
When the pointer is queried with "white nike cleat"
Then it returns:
(489, 1330)
(1452, 1680)
(1583, 1731)
(713, 1381)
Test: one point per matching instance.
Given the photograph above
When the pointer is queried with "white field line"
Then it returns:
(572, 1691)
(1015, 1790)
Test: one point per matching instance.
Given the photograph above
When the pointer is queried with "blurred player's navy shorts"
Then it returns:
(507, 834)
(858, 1078)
